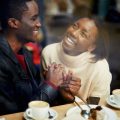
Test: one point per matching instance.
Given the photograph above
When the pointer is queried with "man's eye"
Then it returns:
(35, 18)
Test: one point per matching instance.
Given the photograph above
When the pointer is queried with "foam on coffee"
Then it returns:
(38, 104)
(117, 91)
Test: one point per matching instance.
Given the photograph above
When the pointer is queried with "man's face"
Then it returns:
(80, 37)
(29, 23)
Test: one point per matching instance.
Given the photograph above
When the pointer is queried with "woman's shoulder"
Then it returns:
(51, 47)
(102, 65)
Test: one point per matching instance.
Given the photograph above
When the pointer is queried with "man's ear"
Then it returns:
(13, 23)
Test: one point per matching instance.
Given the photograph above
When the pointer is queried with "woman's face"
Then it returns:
(80, 37)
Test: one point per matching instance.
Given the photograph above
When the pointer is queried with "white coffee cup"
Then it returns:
(38, 110)
(116, 96)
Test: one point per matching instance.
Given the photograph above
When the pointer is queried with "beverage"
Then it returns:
(38, 110)
(116, 94)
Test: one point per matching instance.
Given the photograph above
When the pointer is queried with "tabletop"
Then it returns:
(61, 110)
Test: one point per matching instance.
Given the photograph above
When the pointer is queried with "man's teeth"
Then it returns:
(35, 31)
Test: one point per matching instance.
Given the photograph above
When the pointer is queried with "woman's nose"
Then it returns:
(76, 32)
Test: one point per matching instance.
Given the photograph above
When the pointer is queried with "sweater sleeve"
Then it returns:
(44, 59)
(102, 81)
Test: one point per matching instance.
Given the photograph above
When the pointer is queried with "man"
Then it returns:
(80, 52)
(19, 80)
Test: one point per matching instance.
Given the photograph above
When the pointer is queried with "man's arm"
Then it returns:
(7, 98)
(54, 78)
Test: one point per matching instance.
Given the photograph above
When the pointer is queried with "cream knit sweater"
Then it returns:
(95, 76)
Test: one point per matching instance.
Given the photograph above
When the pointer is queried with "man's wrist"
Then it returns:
(51, 84)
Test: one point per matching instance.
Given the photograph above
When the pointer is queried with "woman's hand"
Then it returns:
(70, 86)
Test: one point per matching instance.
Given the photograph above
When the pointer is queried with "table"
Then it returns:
(60, 109)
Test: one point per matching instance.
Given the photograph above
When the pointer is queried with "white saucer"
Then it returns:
(52, 112)
(111, 103)
(75, 112)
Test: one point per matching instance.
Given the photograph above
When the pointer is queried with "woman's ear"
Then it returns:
(13, 23)
(91, 48)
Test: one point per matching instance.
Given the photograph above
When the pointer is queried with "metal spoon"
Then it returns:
(50, 116)
(84, 113)
(85, 102)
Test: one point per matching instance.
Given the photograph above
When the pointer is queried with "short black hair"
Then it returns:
(11, 9)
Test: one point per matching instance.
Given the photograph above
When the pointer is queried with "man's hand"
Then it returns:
(55, 74)
(70, 86)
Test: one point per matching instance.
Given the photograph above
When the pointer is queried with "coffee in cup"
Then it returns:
(38, 110)
(116, 95)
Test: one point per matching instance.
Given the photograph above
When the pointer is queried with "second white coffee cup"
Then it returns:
(116, 94)
(38, 110)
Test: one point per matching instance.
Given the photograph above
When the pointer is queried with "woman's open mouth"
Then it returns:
(69, 40)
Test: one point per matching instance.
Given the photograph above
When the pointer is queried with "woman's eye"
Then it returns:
(75, 26)
(83, 34)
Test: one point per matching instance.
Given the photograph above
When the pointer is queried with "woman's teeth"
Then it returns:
(70, 41)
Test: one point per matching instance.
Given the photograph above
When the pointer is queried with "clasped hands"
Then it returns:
(68, 83)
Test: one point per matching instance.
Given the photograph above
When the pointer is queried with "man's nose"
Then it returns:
(38, 23)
